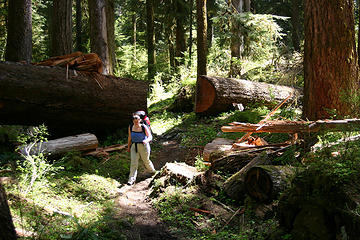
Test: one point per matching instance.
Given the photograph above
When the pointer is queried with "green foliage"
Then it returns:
(40, 22)
(199, 164)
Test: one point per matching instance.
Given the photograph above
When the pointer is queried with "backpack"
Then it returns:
(144, 119)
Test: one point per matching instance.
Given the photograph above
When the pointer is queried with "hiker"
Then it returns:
(139, 147)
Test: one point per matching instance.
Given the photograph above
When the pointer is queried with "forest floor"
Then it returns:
(139, 219)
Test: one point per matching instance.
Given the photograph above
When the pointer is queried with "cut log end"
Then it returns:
(205, 95)
(258, 184)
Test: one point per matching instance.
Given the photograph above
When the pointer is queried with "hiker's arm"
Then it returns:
(129, 140)
(148, 134)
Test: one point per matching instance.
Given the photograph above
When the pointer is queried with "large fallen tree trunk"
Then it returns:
(215, 94)
(295, 126)
(68, 102)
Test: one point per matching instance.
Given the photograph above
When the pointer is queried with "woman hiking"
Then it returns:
(139, 147)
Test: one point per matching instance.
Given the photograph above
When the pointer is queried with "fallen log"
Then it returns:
(68, 102)
(264, 182)
(215, 94)
(295, 126)
(58, 146)
(234, 186)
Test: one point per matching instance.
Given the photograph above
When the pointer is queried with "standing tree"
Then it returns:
(19, 31)
(61, 30)
(296, 24)
(201, 37)
(100, 36)
(150, 34)
(180, 15)
(330, 61)
(237, 39)
(79, 39)
(7, 229)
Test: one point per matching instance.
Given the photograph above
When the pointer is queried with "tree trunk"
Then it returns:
(77, 103)
(180, 31)
(190, 31)
(330, 61)
(215, 94)
(99, 41)
(295, 21)
(79, 40)
(264, 182)
(201, 37)
(236, 41)
(150, 34)
(7, 229)
(234, 186)
(61, 34)
(134, 24)
(82, 142)
(19, 31)
(110, 25)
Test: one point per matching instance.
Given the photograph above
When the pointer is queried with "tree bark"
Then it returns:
(295, 21)
(81, 142)
(7, 229)
(150, 35)
(81, 102)
(19, 31)
(99, 36)
(330, 61)
(110, 25)
(215, 94)
(180, 31)
(201, 37)
(237, 40)
(61, 34)
(218, 144)
(264, 182)
(79, 40)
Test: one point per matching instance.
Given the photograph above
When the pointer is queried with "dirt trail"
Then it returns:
(139, 218)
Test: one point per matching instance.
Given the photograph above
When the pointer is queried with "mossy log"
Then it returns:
(216, 94)
(264, 182)
(234, 186)
(68, 102)
(319, 207)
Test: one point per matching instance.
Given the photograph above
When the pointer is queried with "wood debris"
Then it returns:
(89, 62)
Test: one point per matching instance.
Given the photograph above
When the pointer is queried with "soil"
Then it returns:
(135, 211)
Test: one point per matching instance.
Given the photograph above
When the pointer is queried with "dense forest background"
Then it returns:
(310, 45)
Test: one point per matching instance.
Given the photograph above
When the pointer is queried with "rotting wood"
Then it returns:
(81, 142)
(215, 94)
(281, 126)
(199, 210)
(218, 144)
